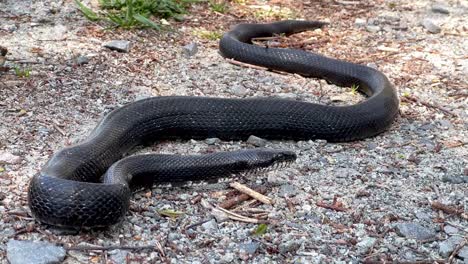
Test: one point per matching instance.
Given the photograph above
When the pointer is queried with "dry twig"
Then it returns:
(257, 196)
(412, 99)
(448, 209)
(238, 217)
(240, 198)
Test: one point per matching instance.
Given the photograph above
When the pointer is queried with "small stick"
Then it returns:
(445, 208)
(417, 100)
(59, 129)
(240, 198)
(330, 206)
(257, 196)
(245, 205)
(239, 217)
(160, 249)
(456, 251)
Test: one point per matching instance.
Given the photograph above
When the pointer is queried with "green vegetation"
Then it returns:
(261, 229)
(209, 35)
(136, 13)
(219, 6)
(170, 213)
(22, 72)
(274, 12)
(354, 88)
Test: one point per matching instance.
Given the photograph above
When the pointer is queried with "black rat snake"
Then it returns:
(71, 190)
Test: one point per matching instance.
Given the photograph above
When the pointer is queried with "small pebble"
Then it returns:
(256, 141)
(287, 190)
(455, 179)
(289, 246)
(212, 141)
(414, 231)
(440, 8)
(190, 49)
(239, 90)
(373, 29)
(365, 245)
(118, 45)
(360, 22)
(250, 248)
(430, 26)
(29, 252)
(81, 60)
(448, 246)
(210, 226)
(8, 158)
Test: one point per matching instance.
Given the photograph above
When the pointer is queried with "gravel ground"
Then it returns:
(398, 197)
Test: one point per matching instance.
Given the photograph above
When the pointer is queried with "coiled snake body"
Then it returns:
(71, 191)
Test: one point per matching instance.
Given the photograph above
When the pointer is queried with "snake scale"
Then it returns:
(90, 184)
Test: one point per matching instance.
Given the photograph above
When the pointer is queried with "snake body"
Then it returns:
(89, 184)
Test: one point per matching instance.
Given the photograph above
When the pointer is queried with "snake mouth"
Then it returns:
(266, 160)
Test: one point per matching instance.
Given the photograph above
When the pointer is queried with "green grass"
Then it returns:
(22, 72)
(274, 12)
(136, 13)
(208, 35)
(219, 6)
(354, 89)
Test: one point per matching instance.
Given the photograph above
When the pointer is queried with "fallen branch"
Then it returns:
(240, 198)
(336, 205)
(447, 209)
(411, 99)
(257, 196)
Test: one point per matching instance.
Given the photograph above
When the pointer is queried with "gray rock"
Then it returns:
(346, 173)
(212, 141)
(373, 65)
(118, 256)
(82, 60)
(365, 245)
(227, 258)
(445, 124)
(190, 49)
(287, 190)
(249, 248)
(173, 236)
(427, 126)
(118, 45)
(360, 22)
(28, 252)
(289, 246)
(448, 229)
(414, 230)
(448, 246)
(372, 146)
(8, 158)
(373, 29)
(440, 8)
(210, 226)
(463, 254)
(430, 26)
(9, 27)
(256, 141)
(239, 90)
(455, 179)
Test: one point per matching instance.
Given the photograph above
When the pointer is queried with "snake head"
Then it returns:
(255, 160)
